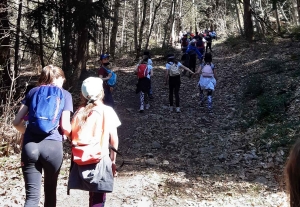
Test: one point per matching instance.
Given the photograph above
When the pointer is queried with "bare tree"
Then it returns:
(152, 23)
(139, 46)
(248, 24)
(5, 80)
(114, 29)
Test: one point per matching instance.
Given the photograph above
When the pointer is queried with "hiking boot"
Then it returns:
(147, 106)
(178, 109)
(171, 108)
(151, 96)
(141, 109)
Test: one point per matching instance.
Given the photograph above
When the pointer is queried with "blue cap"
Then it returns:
(103, 56)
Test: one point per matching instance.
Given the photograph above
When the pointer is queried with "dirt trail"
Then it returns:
(187, 159)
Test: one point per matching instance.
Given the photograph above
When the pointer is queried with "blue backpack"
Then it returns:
(113, 79)
(45, 109)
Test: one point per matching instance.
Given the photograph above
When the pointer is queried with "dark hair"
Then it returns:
(171, 58)
(208, 58)
(292, 175)
(146, 52)
(145, 59)
(49, 73)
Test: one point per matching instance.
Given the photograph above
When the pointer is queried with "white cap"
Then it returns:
(91, 88)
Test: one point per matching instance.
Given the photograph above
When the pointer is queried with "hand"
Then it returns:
(111, 89)
(114, 170)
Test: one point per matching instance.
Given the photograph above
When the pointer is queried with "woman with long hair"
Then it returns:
(44, 151)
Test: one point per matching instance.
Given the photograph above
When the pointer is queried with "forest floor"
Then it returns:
(194, 158)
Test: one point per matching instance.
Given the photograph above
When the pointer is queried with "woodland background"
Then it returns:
(235, 157)
(71, 33)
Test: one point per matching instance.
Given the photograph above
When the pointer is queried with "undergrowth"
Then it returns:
(267, 96)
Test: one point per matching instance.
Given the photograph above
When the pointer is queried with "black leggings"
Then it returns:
(193, 61)
(174, 86)
(208, 45)
(45, 155)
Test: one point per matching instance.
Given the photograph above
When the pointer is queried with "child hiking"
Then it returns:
(207, 80)
(172, 76)
(144, 72)
(94, 129)
(149, 62)
(192, 51)
(105, 74)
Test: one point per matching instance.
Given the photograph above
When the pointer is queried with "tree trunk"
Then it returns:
(294, 12)
(277, 18)
(17, 43)
(248, 25)
(5, 81)
(80, 55)
(103, 35)
(135, 26)
(114, 29)
(238, 17)
(173, 35)
(152, 23)
(298, 6)
(41, 50)
(123, 25)
(167, 25)
(65, 39)
(139, 48)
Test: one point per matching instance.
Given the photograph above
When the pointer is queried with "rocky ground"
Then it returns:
(191, 158)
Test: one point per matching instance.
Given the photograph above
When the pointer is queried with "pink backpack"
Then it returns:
(207, 71)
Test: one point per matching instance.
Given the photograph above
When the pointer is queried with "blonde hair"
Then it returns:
(88, 106)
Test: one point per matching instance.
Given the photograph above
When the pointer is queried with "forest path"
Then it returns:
(173, 159)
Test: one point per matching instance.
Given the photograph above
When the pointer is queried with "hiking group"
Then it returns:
(45, 113)
(44, 121)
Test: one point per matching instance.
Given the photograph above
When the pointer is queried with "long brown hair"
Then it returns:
(49, 73)
(88, 106)
(292, 174)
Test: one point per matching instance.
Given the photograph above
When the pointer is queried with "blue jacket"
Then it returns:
(194, 48)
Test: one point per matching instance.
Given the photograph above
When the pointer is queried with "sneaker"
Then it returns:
(178, 109)
(151, 96)
(147, 106)
(201, 104)
(171, 108)
(141, 109)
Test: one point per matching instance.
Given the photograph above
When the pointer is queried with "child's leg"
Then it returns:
(177, 87)
(209, 99)
(97, 199)
(171, 94)
(142, 97)
(150, 91)
(201, 95)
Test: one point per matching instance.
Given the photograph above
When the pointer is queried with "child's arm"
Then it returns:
(185, 68)
(108, 77)
(198, 71)
(18, 121)
(151, 72)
